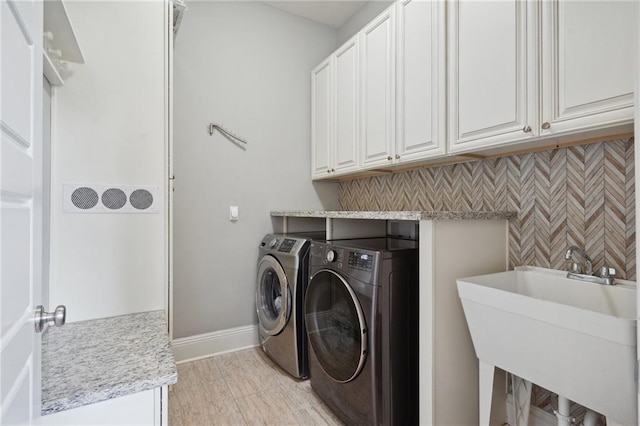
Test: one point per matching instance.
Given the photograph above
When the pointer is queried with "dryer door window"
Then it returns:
(335, 325)
(273, 297)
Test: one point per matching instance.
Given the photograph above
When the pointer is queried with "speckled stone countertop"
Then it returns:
(91, 361)
(398, 215)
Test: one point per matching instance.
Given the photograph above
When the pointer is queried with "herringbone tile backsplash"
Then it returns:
(582, 195)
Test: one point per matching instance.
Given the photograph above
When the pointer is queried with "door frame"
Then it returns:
(169, 171)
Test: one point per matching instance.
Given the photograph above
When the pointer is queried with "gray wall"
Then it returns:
(361, 18)
(246, 66)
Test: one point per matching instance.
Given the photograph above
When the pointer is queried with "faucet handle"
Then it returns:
(606, 272)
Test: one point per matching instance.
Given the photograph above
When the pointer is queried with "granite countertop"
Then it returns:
(91, 361)
(398, 215)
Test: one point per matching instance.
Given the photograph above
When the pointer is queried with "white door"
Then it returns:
(377, 44)
(584, 42)
(420, 77)
(20, 208)
(321, 120)
(345, 112)
(492, 79)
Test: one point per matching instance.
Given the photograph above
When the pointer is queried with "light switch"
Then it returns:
(234, 213)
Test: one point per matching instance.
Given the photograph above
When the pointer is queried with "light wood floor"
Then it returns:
(243, 388)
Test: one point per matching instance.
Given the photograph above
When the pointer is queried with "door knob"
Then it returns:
(56, 318)
(546, 125)
(397, 157)
(389, 158)
(526, 129)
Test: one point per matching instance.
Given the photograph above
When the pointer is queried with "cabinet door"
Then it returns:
(345, 146)
(321, 120)
(377, 91)
(587, 64)
(143, 408)
(420, 77)
(492, 73)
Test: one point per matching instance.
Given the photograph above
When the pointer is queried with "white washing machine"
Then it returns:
(283, 274)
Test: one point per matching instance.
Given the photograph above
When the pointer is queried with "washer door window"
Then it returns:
(336, 326)
(273, 297)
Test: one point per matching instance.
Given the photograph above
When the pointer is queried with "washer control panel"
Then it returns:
(287, 245)
(284, 244)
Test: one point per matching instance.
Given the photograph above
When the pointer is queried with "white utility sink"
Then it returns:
(575, 338)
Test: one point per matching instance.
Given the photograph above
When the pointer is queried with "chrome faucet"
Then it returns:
(575, 266)
(607, 275)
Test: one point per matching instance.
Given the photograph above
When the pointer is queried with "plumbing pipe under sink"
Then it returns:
(590, 418)
(563, 412)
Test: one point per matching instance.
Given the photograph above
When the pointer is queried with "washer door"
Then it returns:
(335, 325)
(273, 297)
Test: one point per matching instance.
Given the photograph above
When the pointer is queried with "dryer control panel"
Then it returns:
(355, 263)
(362, 261)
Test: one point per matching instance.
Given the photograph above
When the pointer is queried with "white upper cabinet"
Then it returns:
(346, 132)
(492, 73)
(419, 83)
(334, 113)
(420, 80)
(321, 120)
(377, 82)
(587, 64)
(528, 70)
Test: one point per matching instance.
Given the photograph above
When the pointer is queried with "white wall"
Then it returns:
(109, 129)
(361, 18)
(247, 66)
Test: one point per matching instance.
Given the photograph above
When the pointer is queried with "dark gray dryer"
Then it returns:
(283, 274)
(361, 313)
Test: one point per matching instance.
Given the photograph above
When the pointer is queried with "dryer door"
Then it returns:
(335, 325)
(273, 297)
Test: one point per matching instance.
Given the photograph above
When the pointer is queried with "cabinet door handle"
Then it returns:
(333, 170)
(526, 129)
(389, 158)
(397, 157)
(546, 125)
(328, 171)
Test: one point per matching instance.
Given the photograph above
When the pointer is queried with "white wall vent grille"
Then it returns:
(92, 198)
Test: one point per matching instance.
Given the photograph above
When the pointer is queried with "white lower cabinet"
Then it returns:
(523, 71)
(143, 408)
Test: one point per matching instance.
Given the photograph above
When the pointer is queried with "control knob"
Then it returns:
(331, 256)
(273, 243)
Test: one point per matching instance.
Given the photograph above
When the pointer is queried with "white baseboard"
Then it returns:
(205, 345)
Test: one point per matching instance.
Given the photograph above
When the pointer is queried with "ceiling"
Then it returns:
(329, 12)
